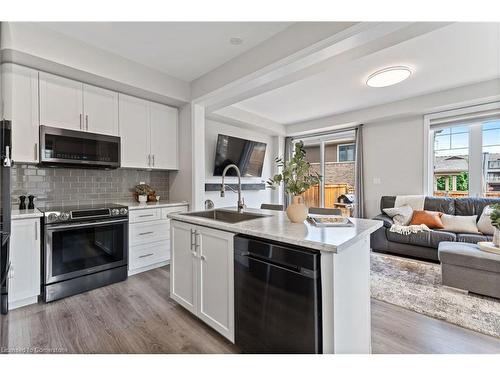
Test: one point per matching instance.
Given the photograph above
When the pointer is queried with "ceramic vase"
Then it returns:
(496, 237)
(297, 210)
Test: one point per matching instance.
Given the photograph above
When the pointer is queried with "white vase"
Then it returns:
(297, 210)
(496, 237)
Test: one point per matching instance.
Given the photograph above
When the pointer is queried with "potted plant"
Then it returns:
(298, 177)
(495, 221)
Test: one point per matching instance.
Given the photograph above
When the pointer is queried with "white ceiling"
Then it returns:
(456, 55)
(185, 50)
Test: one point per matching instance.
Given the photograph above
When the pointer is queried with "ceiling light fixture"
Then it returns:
(388, 76)
(236, 41)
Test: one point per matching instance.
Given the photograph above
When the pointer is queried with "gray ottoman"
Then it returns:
(465, 266)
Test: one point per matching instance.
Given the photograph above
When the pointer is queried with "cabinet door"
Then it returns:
(101, 110)
(20, 95)
(216, 280)
(163, 121)
(25, 251)
(134, 132)
(61, 102)
(183, 265)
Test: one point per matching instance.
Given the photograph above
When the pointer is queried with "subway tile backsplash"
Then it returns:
(71, 186)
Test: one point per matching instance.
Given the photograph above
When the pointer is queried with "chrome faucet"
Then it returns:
(241, 202)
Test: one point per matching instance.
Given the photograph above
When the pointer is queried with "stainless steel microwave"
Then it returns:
(64, 147)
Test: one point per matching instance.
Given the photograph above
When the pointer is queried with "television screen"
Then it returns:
(247, 155)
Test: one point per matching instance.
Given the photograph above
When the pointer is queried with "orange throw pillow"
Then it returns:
(430, 218)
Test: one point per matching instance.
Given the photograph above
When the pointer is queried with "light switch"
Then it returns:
(376, 181)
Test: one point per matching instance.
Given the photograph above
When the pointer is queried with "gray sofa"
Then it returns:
(424, 245)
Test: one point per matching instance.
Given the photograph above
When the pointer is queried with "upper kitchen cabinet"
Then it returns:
(134, 130)
(61, 102)
(149, 134)
(69, 104)
(101, 110)
(20, 96)
(163, 120)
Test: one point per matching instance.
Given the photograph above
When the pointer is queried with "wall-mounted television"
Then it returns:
(247, 155)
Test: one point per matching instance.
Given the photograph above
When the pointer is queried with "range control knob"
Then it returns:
(115, 211)
(64, 216)
(52, 217)
(123, 211)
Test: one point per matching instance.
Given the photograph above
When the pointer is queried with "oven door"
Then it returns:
(73, 250)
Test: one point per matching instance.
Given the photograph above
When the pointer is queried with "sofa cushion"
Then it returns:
(387, 201)
(472, 238)
(432, 219)
(484, 223)
(427, 238)
(400, 215)
(473, 206)
(468, 255)
(441, 204)
(460, 224)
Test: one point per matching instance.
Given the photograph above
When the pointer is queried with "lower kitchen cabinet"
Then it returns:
(149, 238)
(202, 274)
(24, 274)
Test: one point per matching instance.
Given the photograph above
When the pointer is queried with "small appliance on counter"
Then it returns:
(84, 247)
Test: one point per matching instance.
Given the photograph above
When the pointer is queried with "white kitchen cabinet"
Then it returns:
(24, 275)
(101, 110)
(149, 133)
(163, 128)
(20, 96)
(61, 102)
(149, 238)
(134, 132)
(202, 274)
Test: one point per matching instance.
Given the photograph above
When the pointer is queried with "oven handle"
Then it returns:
(93, 224)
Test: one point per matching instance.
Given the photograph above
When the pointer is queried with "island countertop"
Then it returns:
(277, 227)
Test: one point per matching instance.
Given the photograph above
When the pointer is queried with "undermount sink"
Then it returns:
(226, 216)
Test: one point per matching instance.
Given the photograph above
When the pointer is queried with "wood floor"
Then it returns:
(136, 316)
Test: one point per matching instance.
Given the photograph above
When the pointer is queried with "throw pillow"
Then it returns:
(484, 223)
(401, 215)
(460, 224)
(430, 218)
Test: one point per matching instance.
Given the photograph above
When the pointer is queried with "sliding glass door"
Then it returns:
(333, 156)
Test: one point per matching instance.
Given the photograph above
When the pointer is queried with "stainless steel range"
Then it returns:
(84, 247)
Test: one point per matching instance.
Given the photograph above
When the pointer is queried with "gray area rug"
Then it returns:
(416, 285)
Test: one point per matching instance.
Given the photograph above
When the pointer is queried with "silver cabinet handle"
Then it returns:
(36, 151)
(146, 215)
(144, 233)
(196, 238)
(81, 121)
(146, 255)
(192, 242)
(87, 122)
(149, 160)
(153, 160)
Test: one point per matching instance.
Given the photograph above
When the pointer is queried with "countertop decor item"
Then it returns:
(490, 247)
(31, 203)
(22, 202)
(144, 190)
(495, 221)
(297, 177)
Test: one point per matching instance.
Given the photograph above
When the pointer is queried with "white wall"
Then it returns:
(393, 160)
(252, 198)
(36, 40)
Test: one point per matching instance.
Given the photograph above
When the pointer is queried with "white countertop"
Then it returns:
(277, 227)
(134, 205)
(25, 214)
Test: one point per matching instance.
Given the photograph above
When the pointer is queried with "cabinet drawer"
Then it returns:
(168, 210)
(142, 233)
(145, 255)
(147, 214)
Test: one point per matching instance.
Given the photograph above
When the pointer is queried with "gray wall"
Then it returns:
(393, 155)
(70, 186)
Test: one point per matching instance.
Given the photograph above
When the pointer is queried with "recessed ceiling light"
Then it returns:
(388, 76)
(236, 41)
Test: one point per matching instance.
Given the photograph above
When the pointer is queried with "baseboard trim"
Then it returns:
(148, 268)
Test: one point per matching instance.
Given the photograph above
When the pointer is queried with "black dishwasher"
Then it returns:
(277, 292)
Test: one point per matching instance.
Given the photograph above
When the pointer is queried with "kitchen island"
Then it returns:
(202, 269)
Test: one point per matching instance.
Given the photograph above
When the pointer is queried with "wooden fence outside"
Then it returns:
(332, 192)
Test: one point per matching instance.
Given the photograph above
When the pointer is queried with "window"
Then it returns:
(464, 152)
(346, 152)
